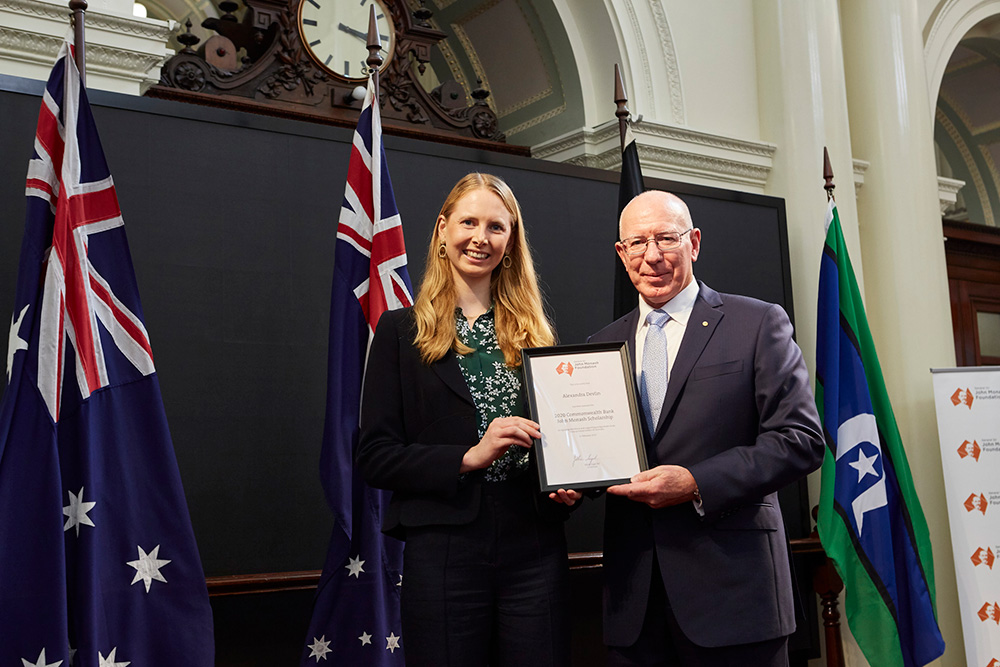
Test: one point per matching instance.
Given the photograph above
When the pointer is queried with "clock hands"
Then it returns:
(357, 33)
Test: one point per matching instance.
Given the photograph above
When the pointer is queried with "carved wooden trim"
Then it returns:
(347, 120)
(967, 231)
(271, 582)
(279, 77)
(283, 582)
(276, 582)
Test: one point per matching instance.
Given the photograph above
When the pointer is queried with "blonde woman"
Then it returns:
(443, 427)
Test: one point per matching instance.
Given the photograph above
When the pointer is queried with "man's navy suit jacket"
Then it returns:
(739, 415)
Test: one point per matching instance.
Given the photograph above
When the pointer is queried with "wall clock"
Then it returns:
(334, 33)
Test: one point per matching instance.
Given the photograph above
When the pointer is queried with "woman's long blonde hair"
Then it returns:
(517, 302)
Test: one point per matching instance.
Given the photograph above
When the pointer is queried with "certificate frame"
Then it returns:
(584, 446)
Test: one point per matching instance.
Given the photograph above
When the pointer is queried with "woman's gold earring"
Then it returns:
(507, 261)
(442, 251)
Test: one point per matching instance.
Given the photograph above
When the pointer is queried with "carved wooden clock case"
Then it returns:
(291, 68)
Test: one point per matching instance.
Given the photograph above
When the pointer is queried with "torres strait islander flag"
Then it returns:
(870, 521)
(356, 618)
(98, 563)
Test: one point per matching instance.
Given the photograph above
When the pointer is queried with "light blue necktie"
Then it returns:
(653, 384)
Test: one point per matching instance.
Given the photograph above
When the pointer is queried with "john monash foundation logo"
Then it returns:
(970, 449)
(962, 397)
(983, 556)
(990, 612)
(974, 503)
(565, 367)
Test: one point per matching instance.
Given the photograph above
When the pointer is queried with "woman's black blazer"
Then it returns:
(417, 422)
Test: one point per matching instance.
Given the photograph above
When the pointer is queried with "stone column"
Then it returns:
(906, 284)
(803, 107)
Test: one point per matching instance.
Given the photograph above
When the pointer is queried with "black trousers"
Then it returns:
(662, 643)
(493, 592)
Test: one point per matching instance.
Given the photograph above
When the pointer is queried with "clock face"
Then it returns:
(335, 32)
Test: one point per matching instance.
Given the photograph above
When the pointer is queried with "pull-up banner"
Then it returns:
(968, 417)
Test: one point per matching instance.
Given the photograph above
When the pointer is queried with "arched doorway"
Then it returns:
(967, 140)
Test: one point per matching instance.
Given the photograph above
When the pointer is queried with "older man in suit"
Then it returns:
(695, 555)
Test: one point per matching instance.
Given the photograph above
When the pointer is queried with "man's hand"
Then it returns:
(662, 486)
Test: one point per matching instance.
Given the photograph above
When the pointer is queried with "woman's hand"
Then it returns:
(503, 433)
(567, 497)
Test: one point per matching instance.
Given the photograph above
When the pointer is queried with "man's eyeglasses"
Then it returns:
(636, 245)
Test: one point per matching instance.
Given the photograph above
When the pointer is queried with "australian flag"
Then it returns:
(356, 617)
(98, 563)
(870, 521)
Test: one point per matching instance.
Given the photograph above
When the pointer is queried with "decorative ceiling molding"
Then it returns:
(123, 53)
(959, 109)
(113, 62)
(526, 102)
(473, 56)
(969, 162)
(643, 56)
(537, 120)
(158, 30)
(670, 61)
(454, 68)
(668, 151)
(991, 167)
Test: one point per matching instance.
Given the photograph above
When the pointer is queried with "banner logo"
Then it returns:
(962, 397)
(994, 663)
(983, 556)
(990, 612)
(565, 367)
(974, 502)
(969, 449)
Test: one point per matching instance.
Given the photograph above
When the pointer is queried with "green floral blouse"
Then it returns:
(495, 387)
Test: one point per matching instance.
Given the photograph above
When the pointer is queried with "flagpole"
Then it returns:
(79, 9)
(828, 174)
(630, 184)
(826, 581)
(374, 45)
(621, 100)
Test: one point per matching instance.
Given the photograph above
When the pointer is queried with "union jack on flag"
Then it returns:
(98, 562)
(356, 617)
(75, 295)
(370, 223)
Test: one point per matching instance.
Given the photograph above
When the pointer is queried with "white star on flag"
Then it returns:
(856, 430)
(864, 465)
(110, 660)
(41, 662)
(354, 568)
(148, 567)
(392, 643)
(77, 512)
(366, 639)
(320, 647)
(72, 655)
(400, 584)
(15, 343)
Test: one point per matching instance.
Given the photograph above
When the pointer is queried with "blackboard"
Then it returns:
(231, 220)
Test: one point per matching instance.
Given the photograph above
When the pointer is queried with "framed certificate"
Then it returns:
(584, 399)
